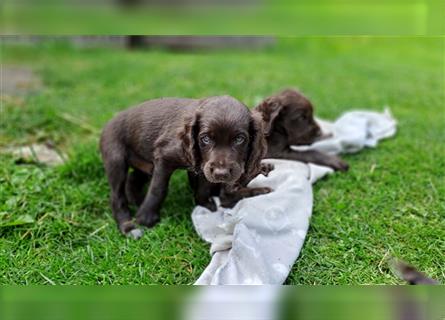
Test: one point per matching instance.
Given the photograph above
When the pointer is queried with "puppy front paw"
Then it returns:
(148, 220)
(130, 230)
(135, 234)
(210, 204)
(338, 164)
(266, 168)
(260, 191)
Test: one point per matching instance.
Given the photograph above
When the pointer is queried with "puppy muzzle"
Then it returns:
(222, 174)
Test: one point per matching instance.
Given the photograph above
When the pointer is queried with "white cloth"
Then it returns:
(353, 131)
(258, 240)
(233, 303)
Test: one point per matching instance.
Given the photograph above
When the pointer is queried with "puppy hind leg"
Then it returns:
(117, 171)
(134, 187)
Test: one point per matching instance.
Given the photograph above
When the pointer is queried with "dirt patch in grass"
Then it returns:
(19, 80)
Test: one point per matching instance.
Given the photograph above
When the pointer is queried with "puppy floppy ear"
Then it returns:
(188, 136)
(270, 108)
(257, 148)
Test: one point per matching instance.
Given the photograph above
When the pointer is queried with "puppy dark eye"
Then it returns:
(239, 140)
(205, 139)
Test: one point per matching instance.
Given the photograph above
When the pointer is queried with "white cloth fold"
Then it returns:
(259, 240)
(353, 131)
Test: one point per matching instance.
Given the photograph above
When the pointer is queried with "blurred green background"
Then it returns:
(216, 17)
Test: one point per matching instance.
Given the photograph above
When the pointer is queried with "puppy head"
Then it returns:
(226, 142)
(291, 114)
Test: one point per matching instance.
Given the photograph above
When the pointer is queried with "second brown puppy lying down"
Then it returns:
(217, 139)
(289, 120)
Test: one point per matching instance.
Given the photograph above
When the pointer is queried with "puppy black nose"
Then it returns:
(221, 173)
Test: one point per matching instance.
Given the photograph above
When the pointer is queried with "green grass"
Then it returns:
(360, 218)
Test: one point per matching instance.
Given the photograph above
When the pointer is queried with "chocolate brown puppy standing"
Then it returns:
(289, 120)
(217, 139)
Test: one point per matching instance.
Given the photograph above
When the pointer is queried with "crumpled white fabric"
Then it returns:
(353, 131)
(258, 240)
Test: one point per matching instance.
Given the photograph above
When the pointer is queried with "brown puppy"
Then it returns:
(289, 120)
(217, 139)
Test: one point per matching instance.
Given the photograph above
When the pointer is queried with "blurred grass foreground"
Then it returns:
(223, 302)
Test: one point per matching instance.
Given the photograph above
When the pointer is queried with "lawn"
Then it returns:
(390, 204)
